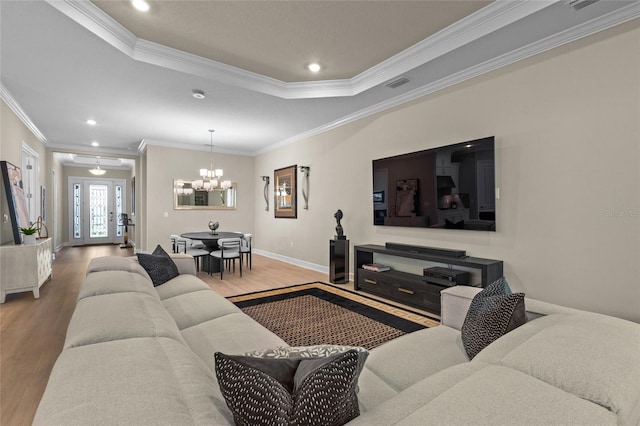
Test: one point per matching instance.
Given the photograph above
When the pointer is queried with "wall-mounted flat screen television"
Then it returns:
(448, 187)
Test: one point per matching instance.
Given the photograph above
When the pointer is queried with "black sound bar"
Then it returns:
(433, 251)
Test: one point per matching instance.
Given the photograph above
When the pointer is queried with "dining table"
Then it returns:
(210, 240)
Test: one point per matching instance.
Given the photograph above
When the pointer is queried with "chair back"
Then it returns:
(246, 241)
(230, 245)
(178, 243)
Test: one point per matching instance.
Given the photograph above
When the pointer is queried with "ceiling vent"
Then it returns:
(398, 82)
(579, 4)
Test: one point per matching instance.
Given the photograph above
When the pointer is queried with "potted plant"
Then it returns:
(29, 234)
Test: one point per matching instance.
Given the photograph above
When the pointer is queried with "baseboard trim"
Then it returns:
(293, 261)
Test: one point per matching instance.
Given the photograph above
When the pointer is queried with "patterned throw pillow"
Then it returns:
(493, 312)
(159, 265)
(315, 351)
(296, 389)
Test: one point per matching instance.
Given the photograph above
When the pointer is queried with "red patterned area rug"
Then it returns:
(318, 313)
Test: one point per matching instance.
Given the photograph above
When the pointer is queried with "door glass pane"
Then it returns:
(98, 211)
(76, 211)
(119, 229)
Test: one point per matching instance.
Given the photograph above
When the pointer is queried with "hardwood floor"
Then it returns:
(32, 331)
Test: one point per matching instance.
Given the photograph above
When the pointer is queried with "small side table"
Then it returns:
(126, 244)
(339, 261)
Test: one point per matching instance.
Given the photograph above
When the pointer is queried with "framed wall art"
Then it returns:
(16, 198)
(285, 191)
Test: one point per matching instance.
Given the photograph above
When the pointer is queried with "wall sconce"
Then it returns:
(266, 191)
(305, 186)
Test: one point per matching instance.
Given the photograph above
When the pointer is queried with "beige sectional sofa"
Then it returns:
(137, 354)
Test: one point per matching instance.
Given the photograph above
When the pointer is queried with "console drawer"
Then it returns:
(408, 293)
(373, 282)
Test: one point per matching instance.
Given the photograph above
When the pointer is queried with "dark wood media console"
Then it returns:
(411, 289)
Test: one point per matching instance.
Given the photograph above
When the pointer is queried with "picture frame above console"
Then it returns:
(285, 192)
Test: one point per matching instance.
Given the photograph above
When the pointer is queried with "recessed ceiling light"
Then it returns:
(198, 94)
(140, 5)
(314, 67)
(91, 122)
(94, 143)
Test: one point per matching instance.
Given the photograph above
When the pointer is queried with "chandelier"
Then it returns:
(97, 171)
(182, 190)
(211, 178)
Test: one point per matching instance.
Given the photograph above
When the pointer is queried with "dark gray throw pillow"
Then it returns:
(290, 391)
(493, 312)
(159, 265)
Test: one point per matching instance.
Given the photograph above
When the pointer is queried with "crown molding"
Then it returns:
(601, 23)
(496, 15)
(98, 22)
(95, 151)
(144, 144)
(13, 105)
(477, 25)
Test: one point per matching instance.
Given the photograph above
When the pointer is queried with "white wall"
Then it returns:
(567, 160)
(163, 165)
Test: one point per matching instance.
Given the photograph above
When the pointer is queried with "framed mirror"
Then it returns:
(188, 194)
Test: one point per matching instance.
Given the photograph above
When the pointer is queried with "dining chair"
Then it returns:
(245, 248)
(229, 250)
(187, 246)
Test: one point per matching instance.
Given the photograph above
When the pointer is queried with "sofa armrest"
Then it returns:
(185, 263)
(455, 303)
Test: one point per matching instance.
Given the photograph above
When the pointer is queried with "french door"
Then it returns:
(94, 210)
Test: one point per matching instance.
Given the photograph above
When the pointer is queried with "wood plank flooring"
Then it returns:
(32, 331)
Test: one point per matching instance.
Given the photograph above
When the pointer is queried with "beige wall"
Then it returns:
(163, 165)
(12, 134)
(567, 162)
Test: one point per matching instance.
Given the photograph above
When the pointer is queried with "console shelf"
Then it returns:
(411, 289)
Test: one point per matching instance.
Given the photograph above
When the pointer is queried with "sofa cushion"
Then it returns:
(234, 333)
(119, 316)
(477, 393)
(294, 391)
(592, 356)
(196, 307)
(116, 263)
(391, 410)
(110, 282)
(410, 358)
(493, 312)
(158, 265)
(182, 284)
(144, 381)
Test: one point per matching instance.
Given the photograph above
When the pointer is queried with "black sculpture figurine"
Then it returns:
(339, 232)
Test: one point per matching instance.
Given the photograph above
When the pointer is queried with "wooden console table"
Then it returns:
(24, 267)
(412, 289)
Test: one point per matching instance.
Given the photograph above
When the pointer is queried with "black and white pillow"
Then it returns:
(159, 265)
(493, 312)
(291, 390)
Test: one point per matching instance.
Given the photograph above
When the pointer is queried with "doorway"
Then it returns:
(95, 207)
